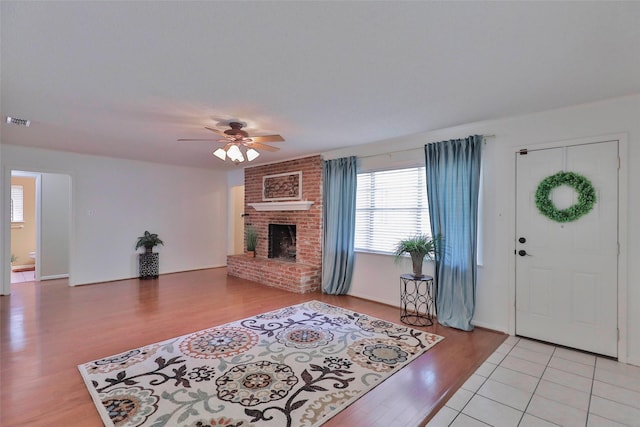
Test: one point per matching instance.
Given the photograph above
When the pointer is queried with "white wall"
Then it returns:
(376, 276)
(114, 201)
(55, 216)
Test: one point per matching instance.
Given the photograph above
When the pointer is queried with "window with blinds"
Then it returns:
(17, 203)
(390, 205)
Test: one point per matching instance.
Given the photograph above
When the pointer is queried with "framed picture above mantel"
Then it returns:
(282, 186)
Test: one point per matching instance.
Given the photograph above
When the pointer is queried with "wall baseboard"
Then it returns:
(490, 326)
(161, 274)
(54, 276)
(633, 361)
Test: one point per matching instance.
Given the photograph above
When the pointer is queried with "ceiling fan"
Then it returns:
(238, 143)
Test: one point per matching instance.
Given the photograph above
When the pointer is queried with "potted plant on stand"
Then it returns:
(418, 247)
(251, 240)
(149, 261)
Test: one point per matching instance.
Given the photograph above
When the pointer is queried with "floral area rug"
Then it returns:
(297, 366)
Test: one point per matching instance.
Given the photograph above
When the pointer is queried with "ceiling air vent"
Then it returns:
(19, 122)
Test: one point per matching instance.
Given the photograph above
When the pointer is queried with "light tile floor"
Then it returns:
(526, 383)
(22, 276)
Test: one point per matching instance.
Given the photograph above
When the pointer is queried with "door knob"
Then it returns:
(522, 240)
(522, 252)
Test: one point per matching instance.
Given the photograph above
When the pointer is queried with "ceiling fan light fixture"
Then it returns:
(252, 154)
(221, 154)
(235, 154)
(238, 159)
(238, 143)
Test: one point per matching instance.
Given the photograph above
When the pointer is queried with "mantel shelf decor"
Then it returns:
(282, 186)
(282, 206)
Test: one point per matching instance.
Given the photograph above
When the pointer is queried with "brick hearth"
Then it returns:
(290, 276)
(303, 275)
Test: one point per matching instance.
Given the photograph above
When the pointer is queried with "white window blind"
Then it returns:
(17, 203)
(390, 205)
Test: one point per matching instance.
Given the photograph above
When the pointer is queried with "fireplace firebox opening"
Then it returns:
(282, 241)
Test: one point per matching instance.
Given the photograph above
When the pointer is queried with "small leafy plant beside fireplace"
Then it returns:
(251, 236)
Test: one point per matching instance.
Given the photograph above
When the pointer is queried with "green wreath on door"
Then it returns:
(584, 188)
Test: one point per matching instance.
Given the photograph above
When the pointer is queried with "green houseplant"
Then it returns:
(251, 236)
(418, 247)
(149, 261)
(148, 241)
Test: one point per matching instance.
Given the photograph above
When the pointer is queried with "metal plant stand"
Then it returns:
(417, 297)
(149, 265)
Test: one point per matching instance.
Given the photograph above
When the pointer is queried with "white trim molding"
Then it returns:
(282, 206)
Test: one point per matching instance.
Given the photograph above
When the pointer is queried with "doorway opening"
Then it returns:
(24, 187)
(567, 281)
(40, 218)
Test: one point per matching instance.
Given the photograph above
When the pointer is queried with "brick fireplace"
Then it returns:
(297, 267)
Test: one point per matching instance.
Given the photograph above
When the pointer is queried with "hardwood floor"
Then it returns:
(48, 328)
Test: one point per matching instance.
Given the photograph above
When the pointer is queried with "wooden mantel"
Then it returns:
(282, 206)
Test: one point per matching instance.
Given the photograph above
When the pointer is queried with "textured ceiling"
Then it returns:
(127, 79)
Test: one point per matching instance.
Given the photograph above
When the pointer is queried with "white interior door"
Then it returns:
(237, 219)
(567, 282)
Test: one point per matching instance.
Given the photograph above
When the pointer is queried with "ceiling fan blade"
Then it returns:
(219, 132)
(209, 140)
(267, 138)
(261, 146)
